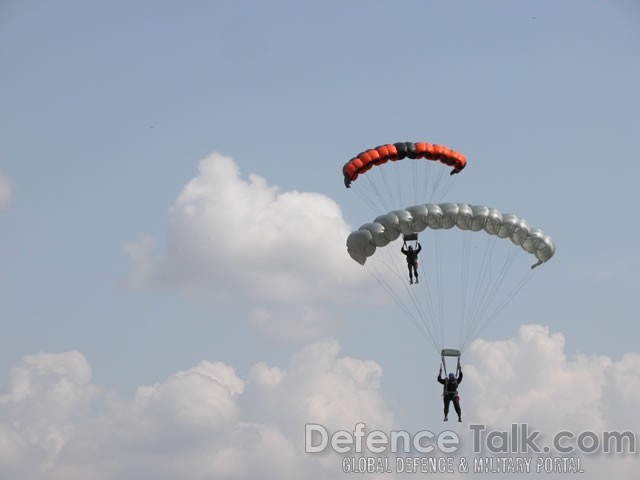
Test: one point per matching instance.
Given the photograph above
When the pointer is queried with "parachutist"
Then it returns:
(450, 392)
(412, 260)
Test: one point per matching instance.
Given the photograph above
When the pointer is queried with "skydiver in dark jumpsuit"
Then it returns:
(450, 392)
(412, 260)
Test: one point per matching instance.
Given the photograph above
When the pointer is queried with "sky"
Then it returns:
(176, 296)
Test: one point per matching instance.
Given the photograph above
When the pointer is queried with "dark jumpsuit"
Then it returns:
(450, 393)
(412, 260)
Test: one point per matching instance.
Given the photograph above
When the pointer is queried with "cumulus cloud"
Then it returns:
(294, 325)
(227, 237)
(282, 254)
(205, 422)
(320, 387)
(6, 191)
(208, 422)
(48, 394)
(536, 380)
(530, 379)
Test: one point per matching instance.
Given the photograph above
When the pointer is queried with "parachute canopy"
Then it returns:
(366, 160)
(363, 243)
(466, 274)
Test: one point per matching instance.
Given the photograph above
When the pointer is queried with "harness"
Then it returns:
(446, 388)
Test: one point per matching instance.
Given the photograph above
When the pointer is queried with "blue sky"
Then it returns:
(108, 108)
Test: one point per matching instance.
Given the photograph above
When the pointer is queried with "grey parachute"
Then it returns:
(466, 278)
(387, 228)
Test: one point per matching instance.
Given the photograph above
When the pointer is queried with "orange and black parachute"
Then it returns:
(420, 150)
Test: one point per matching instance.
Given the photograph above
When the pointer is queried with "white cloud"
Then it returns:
(228, 237)
(48, 394)
(282, 254)
(319, 387)
(294, 325)
(6, 191)
(207, 422)
(529, 379)
(204, 422)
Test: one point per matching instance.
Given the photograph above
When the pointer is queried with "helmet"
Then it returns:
(452, 376)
